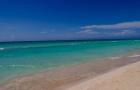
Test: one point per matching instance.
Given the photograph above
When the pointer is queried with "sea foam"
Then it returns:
(134, 56)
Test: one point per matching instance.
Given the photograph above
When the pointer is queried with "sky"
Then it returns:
(29, 20)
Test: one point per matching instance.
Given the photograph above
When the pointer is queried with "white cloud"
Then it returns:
(124, 25)
(119, 29)
(126, 32)
(88, 31)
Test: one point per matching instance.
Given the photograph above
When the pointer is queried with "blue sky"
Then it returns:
(22, 20)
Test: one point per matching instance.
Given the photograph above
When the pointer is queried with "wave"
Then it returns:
(15, 66)
(39, 46)
(136, 55)
(114, 41)
(115, 57)
(1, 49)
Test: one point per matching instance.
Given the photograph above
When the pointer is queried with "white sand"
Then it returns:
(124, 78)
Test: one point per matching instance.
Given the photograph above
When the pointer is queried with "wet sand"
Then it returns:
(68, 76)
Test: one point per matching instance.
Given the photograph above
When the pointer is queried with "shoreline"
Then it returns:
(55, 79)
(123, 78)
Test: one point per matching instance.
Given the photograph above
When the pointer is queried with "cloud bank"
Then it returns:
(124, 25)
(123, 29)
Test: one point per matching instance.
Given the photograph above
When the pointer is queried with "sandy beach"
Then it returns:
(80, 77)
(69, 44)
(124, 78)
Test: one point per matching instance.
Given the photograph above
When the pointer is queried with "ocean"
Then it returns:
(23, 58)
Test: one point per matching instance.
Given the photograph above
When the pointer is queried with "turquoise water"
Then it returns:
(19, 58)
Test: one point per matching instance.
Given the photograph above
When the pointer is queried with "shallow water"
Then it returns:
(19, 58)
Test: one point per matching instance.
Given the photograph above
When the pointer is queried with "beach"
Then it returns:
(74, 77)
(124, 78)
(69, 45)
